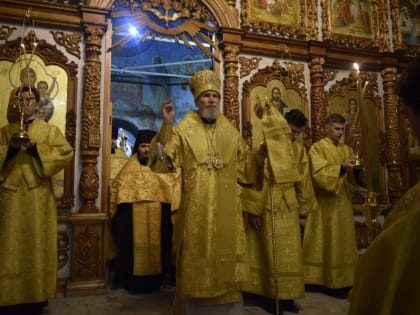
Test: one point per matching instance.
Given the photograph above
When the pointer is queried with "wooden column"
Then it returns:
(231, 84)
(392, 135)
(318, 108)
(88, 260)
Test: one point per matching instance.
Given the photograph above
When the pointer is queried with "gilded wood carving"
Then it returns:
(88, 224)
(89, 179)
(231, 85)
(70, 41)
(318, 111)
(393, 136)
(87, 252)
(248, 64)
(6, 31)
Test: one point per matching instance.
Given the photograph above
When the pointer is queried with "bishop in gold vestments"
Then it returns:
(212, 260)
(209, 231)
(330, 249)
(28, 212)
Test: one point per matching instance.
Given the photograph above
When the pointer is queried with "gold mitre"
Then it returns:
(202, 81)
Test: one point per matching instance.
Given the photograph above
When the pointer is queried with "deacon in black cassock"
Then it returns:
(141, 221)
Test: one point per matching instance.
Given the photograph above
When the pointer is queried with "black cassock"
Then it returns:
(122, 227)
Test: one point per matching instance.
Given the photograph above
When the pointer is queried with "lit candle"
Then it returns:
(359, 96)
(356, 67)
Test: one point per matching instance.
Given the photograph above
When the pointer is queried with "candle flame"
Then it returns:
(356, 66)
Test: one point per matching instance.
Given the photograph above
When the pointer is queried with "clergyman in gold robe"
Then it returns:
(273, 234)
(330, 250)
(387, 279)
(212, 260)
(141, 204)
(28, 209)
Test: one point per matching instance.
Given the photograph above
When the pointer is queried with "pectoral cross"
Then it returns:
(213, 161)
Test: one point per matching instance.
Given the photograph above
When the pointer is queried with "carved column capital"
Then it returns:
(94, 34)
(231, 84)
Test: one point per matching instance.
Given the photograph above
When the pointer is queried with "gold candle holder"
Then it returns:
(356, 135)
(372, 212)
(356, 125)
(21, 104)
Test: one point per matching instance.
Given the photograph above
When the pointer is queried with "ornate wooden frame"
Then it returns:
(399, 43)
(291, 76)
(11, 51)
(304, 28)
(378, 27)
(345, 89)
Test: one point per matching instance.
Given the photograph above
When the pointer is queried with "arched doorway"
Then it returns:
(151, 53)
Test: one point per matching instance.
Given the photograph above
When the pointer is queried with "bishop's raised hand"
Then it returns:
(168, 110)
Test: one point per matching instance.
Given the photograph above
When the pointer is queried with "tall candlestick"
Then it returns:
(358, 134)
(19, 102)
(356, 126)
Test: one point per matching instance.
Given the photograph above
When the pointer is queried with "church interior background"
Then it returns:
(110, 64)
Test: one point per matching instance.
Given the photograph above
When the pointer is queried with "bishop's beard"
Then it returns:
(210, 113)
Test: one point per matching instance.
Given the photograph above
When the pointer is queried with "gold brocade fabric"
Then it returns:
(276, 133)
(279, 240)
(146, 190)
(387, 277)
(304, 188)
(118, 160)
(330, 249)
(209, 231)
(28, 215)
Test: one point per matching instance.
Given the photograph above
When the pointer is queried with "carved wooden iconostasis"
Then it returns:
(340, 95)
(256, 53)
(282, 86)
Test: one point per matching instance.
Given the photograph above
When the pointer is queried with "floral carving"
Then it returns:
(71, 42)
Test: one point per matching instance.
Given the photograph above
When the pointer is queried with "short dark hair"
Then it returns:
(408, 86)
(296, 118)
(32, 90)
(335, 118)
